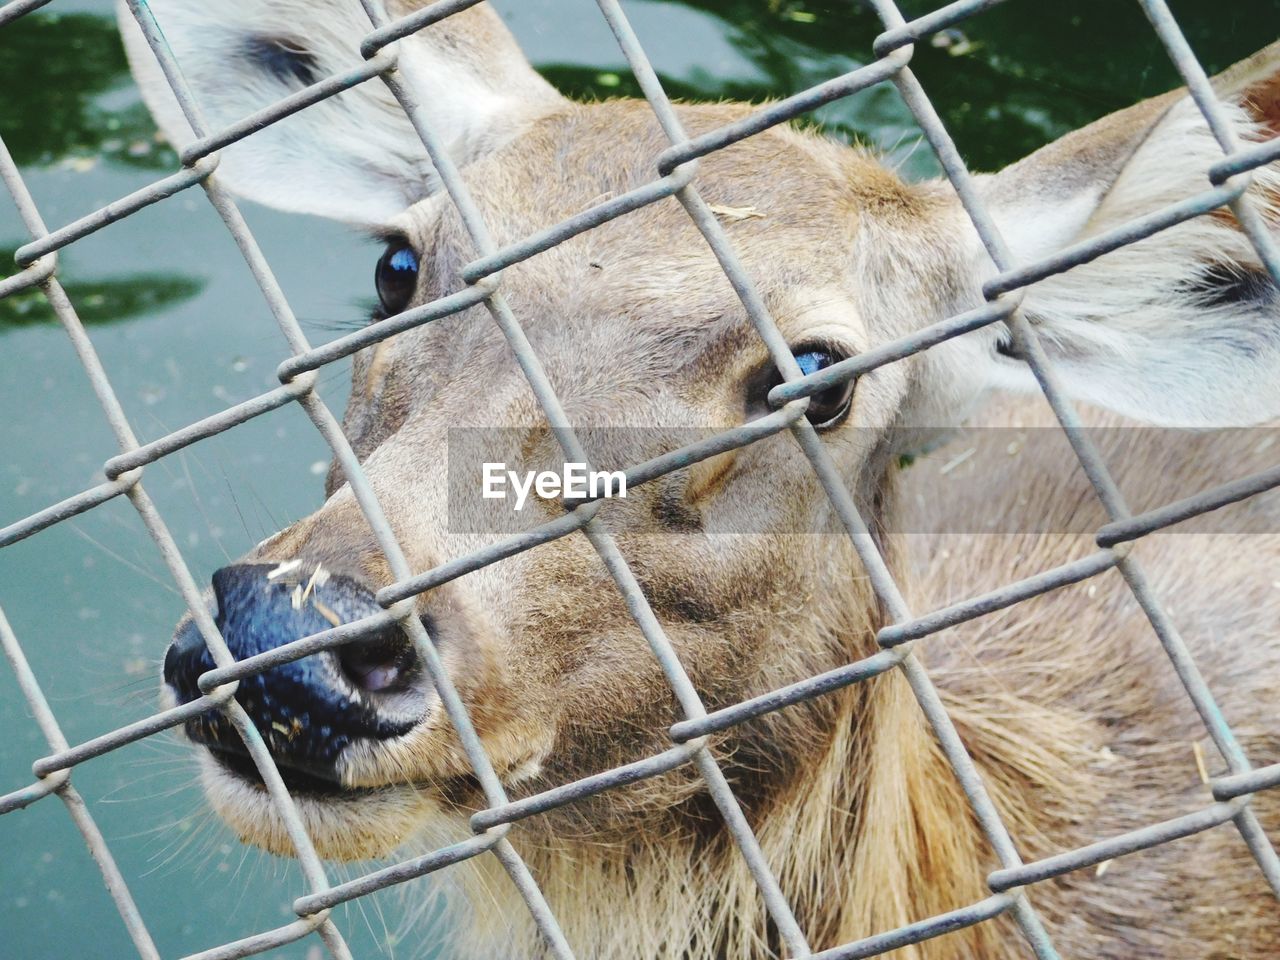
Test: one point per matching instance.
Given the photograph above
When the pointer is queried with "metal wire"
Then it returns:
(675, 175)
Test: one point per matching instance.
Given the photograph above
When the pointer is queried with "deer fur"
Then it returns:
(1067, 702)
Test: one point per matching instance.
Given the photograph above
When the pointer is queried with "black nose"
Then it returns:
(308, 711)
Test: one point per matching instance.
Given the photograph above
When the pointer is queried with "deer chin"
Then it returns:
(344, 823)
(387, 793)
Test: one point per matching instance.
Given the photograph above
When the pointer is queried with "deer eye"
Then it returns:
(828, 408)
(396, 278)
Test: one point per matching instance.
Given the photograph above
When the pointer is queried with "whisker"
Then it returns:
(76, 528)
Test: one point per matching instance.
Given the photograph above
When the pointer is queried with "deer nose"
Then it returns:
(309, 710)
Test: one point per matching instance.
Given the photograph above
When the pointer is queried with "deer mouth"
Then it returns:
(356, 731)
(316, 713)
(343, 823)
(299, 782)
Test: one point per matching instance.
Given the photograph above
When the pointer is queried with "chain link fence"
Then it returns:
(1225, 186)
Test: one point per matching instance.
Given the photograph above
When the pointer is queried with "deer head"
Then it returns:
(639, 330)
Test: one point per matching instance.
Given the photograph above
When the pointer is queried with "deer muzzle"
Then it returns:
(309, 711)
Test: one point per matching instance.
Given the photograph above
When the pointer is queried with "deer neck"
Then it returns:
(895, 840)
(871, 834)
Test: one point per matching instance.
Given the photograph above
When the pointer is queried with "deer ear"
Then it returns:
(354, 156)
(1182, 327)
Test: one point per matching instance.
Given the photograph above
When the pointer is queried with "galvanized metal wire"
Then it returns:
(480, 283)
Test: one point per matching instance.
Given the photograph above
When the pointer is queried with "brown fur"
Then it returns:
(1066, 702)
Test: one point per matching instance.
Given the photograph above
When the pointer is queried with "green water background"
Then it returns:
(183, 332)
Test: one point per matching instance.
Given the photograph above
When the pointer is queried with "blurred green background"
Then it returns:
(183, 332)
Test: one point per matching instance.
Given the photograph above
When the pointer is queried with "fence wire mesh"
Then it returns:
(1226, 183)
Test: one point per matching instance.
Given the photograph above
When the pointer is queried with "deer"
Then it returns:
(1068, 705)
